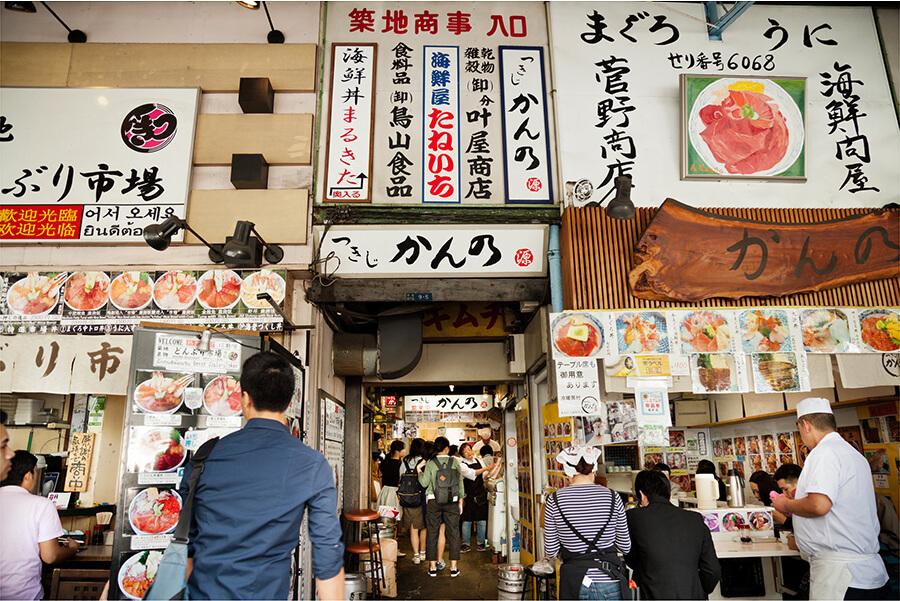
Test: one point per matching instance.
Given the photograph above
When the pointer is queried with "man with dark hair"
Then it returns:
(675, 488)
(786, 477)
(833, 511)
(249, 503)
(672, 552)
(30, 530)
(6, 452)
(444, 491)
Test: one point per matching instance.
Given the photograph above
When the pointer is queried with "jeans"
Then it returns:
(480, 532)
(598, 591)
(434, 512)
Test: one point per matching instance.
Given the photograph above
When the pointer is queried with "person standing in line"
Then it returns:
(834, 512)
(248, 507)
(444, 490)
(390, 483)
(6, 452)
(29, 532)
(413, 515)
(475, 508)
(672, 552)
(585, 526)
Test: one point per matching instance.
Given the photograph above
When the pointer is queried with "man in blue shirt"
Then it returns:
(250, 500)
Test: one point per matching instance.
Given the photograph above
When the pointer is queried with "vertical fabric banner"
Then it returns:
(441, 123)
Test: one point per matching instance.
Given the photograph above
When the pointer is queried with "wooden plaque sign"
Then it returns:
(687, 254)
(78, 465)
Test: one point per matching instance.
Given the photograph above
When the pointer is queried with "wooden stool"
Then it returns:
(355, 549)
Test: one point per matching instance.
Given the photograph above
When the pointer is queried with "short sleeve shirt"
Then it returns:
(26, 520)
(838, 471)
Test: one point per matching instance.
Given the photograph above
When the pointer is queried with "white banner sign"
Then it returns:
(451, 403)
(423, 251)
(578, 387)
(182, 353)
(93, 165)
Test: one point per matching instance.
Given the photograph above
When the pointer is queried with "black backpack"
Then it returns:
(410, 491)
(446, 482)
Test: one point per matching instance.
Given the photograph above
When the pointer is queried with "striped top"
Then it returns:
(586, 506)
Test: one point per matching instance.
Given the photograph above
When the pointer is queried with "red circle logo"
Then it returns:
(524, 257)
(534, 184)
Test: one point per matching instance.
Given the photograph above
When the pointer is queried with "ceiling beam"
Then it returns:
(721, 24)
(428, 290)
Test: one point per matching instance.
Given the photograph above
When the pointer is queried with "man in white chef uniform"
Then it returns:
(835, 520)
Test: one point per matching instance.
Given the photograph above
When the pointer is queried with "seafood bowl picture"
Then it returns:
(154, 511)
(712, 521)
(161, 394)
(87, 290)
(765, 331)
(776, 372)
(578, 335)
(644, 332)
(880, 330)
(137, 573)
(222, 396)
(219, 289)
(175, 290)
(760, 520)
(825, 331)
(704, 332)
(259, 282)
(744, 128)
(36, 294)
(131, 290)
(732, 521)
(714, 372)
(156, 450)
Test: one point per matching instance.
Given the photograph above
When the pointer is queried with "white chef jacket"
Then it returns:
(838, 471)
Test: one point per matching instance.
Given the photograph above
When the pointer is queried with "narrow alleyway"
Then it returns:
(477, 578)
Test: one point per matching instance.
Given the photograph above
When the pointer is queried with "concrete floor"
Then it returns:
(477, 578)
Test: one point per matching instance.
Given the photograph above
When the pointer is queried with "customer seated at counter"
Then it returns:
(761, 483)
(672, 552)
(675, 488)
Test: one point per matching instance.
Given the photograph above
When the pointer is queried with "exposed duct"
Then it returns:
(393, 354)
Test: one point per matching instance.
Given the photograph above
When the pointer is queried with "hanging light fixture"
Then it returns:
(242, 249)
(76, 36)
(620, 207)
(274, 36)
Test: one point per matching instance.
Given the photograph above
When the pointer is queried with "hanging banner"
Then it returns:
(451, 403)
(78, 464)
(117, 161)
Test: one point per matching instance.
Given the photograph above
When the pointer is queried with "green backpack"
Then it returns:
(446, 482)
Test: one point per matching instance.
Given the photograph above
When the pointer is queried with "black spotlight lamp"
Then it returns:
(159, 236)
(243, 248)
(621, 207)
(274, 36)
(76, 36)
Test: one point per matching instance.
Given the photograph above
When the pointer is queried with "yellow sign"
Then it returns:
(640, 365)
(463, 321)
(78, 465)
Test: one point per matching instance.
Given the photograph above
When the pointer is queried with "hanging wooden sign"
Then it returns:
(687, 254)
(78, 465)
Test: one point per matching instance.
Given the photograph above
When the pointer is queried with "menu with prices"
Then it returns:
(178, 397)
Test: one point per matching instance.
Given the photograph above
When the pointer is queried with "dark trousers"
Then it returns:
(434, 512)
(862, 593)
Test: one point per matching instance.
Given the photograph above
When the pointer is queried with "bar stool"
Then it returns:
(355, 549)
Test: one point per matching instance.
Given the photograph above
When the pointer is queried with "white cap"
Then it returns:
(813, 405)
(571, 456)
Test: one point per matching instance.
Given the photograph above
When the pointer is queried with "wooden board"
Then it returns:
(35, 65)
(283, 139)
(78, 464)
(280, 215)
(688, 254)
(211, 67)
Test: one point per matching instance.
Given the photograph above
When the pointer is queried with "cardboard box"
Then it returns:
(388, 550)
(728, 406)
(389, 587)
(792, 398)
(691, 413)
(763, 404)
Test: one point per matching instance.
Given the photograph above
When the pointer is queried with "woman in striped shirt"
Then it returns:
(585, 526)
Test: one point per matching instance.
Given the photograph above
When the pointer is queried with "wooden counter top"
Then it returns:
(760, 547)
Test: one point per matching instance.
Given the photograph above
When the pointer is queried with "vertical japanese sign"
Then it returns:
(350, 122)
(441, 123)
(78, 465)
(117, 161)
(525, 126)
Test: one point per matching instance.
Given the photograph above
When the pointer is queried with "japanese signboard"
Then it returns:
(424, 251)
(180, 353)
(78, 464)
(117, 161)
(619, 66)
(438, 108)
(348, 156)
(463, 321)
(578, 386)
(447, 403)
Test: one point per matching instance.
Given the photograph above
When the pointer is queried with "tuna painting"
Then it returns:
(743, 128)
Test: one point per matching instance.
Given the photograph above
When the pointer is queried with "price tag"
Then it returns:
(158, 478)
(156, 419)
(193, 398)
(217, 421)
(141, 542)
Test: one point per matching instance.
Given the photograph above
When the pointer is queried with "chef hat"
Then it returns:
(485, 432)
(813, 405)
(570, 457)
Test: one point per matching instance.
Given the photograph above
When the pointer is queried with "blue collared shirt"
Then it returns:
(247, 512)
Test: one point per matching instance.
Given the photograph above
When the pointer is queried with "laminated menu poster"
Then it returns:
(642, 333)
(525, 501)
(780, 372)
(718, 373)
(704, 331)
(581, 335)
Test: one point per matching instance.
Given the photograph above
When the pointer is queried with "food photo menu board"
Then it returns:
(178, 398)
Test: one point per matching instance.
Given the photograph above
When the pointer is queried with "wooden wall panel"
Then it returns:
(283, 139)
(35, 65)
(281, 216)
(211, 67)
(597, 255)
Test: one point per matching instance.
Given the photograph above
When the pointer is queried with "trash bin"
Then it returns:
(512, 582)
(354, 586)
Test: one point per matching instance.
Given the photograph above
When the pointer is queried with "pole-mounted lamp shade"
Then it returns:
(159, 235)
(249, 4)
(22, 7)
(621, 207)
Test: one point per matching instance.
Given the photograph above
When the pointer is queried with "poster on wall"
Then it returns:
(119, 160)
(331, 439)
